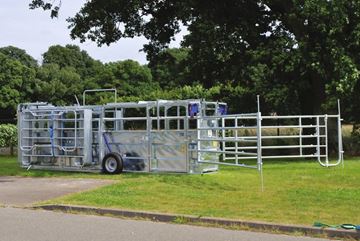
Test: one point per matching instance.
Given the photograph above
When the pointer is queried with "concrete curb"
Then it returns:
(188, 219)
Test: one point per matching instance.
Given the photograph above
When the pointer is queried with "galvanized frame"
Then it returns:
(205, 146)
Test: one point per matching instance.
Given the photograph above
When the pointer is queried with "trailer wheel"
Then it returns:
(112, 163)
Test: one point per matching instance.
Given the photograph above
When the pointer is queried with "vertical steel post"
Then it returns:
(236, 141)
(259, 151)
(100, 135)
(187, 137)
(178, 116)
(300, 136)
(326, 141)
(340, 145)
(318, 138)
(158, 115)
(198, 123)
(148, 135)
(223, 137)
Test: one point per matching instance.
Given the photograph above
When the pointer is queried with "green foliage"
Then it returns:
(170, 68)
(72, 56)
(16, 82)
(8, 135)
(299, 55)
(58, 85)
(20, 55)
(129, 77)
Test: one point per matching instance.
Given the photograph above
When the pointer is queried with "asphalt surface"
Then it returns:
(23, 191)
(38, 225)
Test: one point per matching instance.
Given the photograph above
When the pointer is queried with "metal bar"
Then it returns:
(230, 164)
(178, 115)
(298, 116)
(318, 137)
(229, 152)
(293, 126)
(149, 137)
(47, 129)
(340, 144)
(292, 146)
(326, 141)
(223, 136)
(230, 148)
(67, 156)
(228, 128)
(292, 156)
(99, 90)
(300, 136)
(291, 136)
(259, 151)
(236, 143)
(125, 118)
(245, 115)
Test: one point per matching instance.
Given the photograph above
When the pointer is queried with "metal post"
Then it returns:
(340, 146)
(223, 137)
(300, 136)
(259, 152)
(178, 116)
(318, 139)
(158, 115)
(148, 134)
(187, 137)
(100, 135)
(326, 141)
(236, 140)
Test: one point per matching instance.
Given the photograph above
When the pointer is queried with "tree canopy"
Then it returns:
(300, 51)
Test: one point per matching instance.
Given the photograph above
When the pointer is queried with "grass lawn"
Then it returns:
(296, 192)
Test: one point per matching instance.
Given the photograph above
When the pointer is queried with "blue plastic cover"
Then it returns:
(193, 109)
(223, 109)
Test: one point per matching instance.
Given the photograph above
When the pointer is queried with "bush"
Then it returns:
(8, 136)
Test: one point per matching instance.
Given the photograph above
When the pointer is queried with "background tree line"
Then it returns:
(299, 55)
(66, 71)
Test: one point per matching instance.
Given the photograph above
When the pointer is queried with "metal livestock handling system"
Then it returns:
(186, 136)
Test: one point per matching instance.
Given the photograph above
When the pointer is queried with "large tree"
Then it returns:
(16, 86)
(304, 51)
(20, 55)
(72, 56)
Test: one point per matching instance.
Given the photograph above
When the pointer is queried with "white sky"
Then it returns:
(34, 31)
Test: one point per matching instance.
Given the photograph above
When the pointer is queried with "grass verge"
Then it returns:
(299, 192)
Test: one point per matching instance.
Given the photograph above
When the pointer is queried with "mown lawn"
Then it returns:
(299, 192)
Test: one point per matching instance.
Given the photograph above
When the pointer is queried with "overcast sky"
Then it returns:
(34, 31)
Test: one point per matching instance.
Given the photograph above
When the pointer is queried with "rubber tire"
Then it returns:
(119, 162)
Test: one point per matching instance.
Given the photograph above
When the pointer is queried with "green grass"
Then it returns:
(296, 192)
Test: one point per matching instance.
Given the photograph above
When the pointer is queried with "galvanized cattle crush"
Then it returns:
(185, 136)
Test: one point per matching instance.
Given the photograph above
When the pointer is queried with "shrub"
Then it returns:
(8, 136)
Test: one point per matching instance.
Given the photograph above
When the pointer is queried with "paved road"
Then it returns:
(38, 225)
(26, 190)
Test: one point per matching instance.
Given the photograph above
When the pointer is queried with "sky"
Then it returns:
(34, 31)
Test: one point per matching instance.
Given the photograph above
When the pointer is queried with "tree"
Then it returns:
(129, 77)
(72, 56)
(58, 85)
(16, 85)
(20, 55)
(307, 48)
(170, 67)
